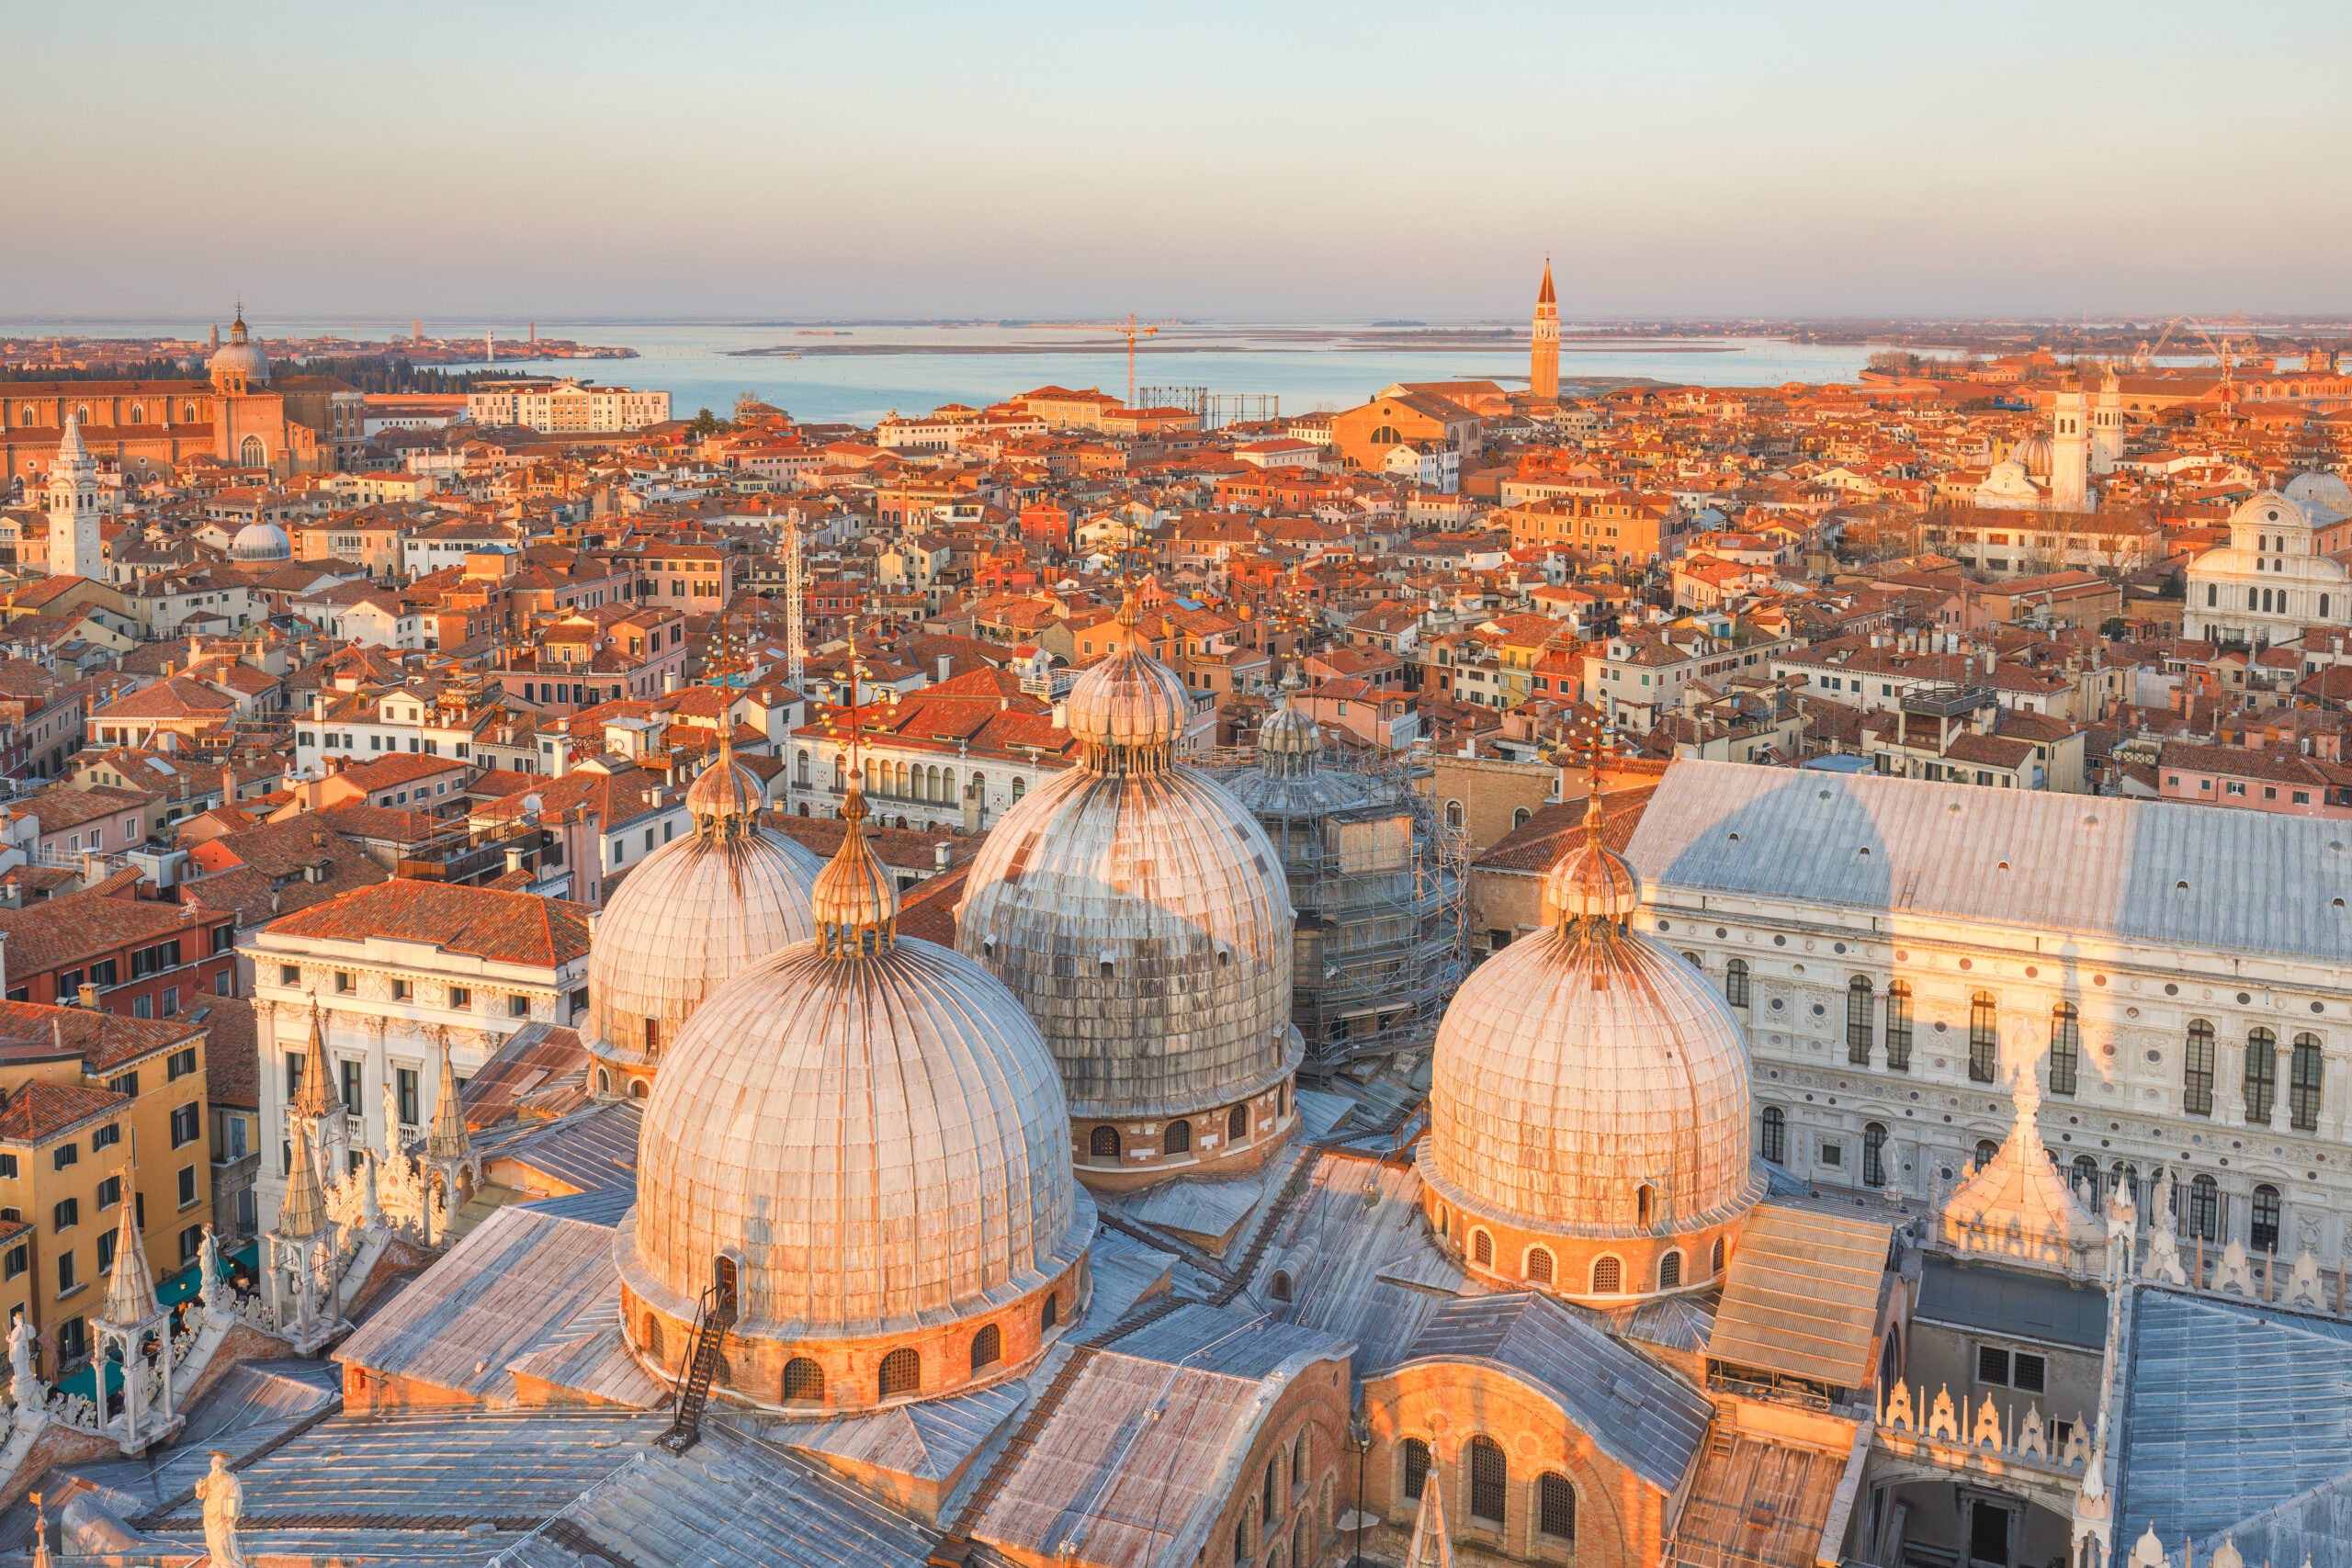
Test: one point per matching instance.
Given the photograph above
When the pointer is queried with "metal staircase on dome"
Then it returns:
(692, 1394)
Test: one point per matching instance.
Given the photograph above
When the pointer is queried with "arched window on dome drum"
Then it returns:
(1266, 1491)
(1898, 1028)
(637, 1089)
(1237, 1124)
(252, 455)
(1555, 1507)
(1986, 1149)
(1417, 1467)
(1859, 1005)
(1776, 1134)
(2065, 1048)
(2261, 1081)
(987, 1347)
(2302, 1089)
(901, 1373)
(804, 1381)
(1539, 1265)
(1241, 1537)
(1669, 1271)
(1052, 1313)
(1983, 1038)
(1716, 1259)
(1736, 982)
(2086, 1179)
(1104, 1143)
(1482, 1249)
(2263, 1236)
(1608, 1277)
(1489, 1481)
(1645, 1202)
(1279, 1288)
(2205, 1208)
(1874, 1154)
(2197, 1071)
(1178, 1139)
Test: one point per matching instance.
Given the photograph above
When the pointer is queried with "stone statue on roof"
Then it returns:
(25, 1390)
(224, 1497)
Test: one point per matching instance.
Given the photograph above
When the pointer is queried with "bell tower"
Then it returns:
(1544, 358)
(2107, 424)
(75, 504)
(2069, 449)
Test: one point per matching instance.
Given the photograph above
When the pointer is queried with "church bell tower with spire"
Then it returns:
(76, 500)
(1544, 358)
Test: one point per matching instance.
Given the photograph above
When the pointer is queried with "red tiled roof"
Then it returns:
(506, 928)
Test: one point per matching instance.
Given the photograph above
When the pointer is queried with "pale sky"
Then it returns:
(573, 159)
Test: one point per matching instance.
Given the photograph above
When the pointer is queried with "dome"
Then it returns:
(871, 1128)
(260, 541)
(2034, 454)
(2327, 492)
(690, 916)
(238, 360)
(1140, 913)
(725, 793)
(1129, 701)
(1288, 732)
(1588, 1082)
(1592, 880)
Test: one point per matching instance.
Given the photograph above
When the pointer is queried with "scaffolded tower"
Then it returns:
(1378, 882)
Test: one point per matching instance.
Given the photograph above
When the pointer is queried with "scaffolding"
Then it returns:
(1214, 409)
(1378, 880)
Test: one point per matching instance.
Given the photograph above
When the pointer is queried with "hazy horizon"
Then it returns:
(731, 162)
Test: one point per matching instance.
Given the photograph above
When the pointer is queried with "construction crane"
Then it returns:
(1130, 330)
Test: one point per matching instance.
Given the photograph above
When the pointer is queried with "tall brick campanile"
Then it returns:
(1544, 358)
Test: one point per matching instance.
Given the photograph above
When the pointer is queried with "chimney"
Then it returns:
(89, 997)
(514, 859)
(939, 853)
(228, 786)
(944, 660)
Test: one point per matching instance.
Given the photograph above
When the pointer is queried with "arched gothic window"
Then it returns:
(2302, 1090)
(1859, 1005)
(1736, 982)
(2261, 1080)
(1983, 1038)
(2196, 1069)
(253, 453)
(901, 1373)
(1557, 1505)
(1454, 813)
(2264, 1235)
(1417, 1467)
(804, 1381)
(2205, 1208)
(2065, 1048)
(1489, 1480)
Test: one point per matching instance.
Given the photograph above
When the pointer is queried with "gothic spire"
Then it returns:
(448, 1140)
(130, 1299)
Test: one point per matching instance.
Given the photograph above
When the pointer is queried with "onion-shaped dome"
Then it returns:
(1288, 740)
(724, 794)
(2035, 453)
(238, 360)
(1589, 1081)
(1128, 706)
(1592, 882)
(1140, 913)
(869, 1125)
(260, 541)
(692, 915)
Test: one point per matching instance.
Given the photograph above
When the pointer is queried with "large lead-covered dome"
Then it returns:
(1590, 1083)
(1140, 913)
(693, 913)
(872, 1132)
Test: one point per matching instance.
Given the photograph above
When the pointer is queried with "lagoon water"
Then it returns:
(1308, 366)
